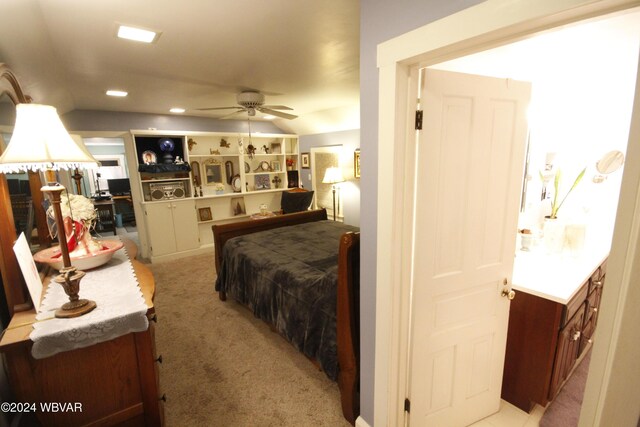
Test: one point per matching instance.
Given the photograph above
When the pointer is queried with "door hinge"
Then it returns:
(418, 119)
(407, 405)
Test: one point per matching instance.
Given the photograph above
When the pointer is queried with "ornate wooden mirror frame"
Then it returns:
(15, 290)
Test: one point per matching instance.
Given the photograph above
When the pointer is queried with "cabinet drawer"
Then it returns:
(575, 304)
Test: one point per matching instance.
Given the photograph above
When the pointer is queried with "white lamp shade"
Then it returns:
(333, 175)
(41, 142)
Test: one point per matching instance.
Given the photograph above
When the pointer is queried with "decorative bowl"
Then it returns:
(52, 256)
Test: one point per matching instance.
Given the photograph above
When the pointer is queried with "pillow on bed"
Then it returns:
(298, 201)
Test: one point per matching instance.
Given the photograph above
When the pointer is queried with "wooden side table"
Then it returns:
(106, 215)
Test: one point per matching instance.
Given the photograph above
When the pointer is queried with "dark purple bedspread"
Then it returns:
(288, 277)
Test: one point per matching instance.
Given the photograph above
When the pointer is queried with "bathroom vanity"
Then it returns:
(551, 322)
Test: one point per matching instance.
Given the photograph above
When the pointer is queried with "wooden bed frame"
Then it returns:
(348, 296)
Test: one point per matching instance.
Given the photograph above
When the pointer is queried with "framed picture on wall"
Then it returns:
(204, 214)
(305, 160)
(237, 206)
(356, 163)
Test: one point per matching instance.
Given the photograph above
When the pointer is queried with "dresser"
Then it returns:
(552, 322)
(116, 382)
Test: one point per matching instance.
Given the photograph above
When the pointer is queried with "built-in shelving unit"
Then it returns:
(223, 178)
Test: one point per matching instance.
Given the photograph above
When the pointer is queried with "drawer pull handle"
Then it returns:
(597, 283)
(594, 309)
(154, 318)
(576, 336)
(159, 359)
(164, 397)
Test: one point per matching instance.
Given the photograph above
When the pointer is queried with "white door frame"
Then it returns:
(486, 25)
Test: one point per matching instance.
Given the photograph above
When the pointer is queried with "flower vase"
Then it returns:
(554, 231)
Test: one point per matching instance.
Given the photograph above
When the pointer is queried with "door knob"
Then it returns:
(508, 293)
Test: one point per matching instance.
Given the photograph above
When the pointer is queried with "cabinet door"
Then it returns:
(159, 217)
(567, 351)
(185, 225)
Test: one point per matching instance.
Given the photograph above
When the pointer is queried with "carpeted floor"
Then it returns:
(564, 411)
(223, 367)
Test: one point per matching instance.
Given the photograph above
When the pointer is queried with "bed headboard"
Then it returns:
(224, 232)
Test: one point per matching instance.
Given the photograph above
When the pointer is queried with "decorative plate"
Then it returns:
(166, 144)
(236, 184)
(149, 157)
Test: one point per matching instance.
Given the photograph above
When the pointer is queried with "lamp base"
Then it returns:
(69, 278)
(75, 308)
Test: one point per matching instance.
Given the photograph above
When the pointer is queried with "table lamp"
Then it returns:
(333, 176)
(41, 143)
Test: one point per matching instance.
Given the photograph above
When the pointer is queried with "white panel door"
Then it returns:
(470, 156)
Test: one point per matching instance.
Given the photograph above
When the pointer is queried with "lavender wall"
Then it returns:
(380, 20)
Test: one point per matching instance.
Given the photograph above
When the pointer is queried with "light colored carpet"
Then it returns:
(223, 367)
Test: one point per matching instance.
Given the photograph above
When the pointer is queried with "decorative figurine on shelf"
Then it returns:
(195, 187)
(215, 152)
(276, 182)
(201, 195)
(240, 146)
(251, 151)
(264, 149)
(224, 143)
(178, 161)
(191, 143)
(166, 146)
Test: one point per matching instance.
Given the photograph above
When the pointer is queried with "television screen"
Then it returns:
(119, 186)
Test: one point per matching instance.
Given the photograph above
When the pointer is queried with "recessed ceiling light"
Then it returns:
(137, 34)
(177, 110)
(116, 93)
(268, 117)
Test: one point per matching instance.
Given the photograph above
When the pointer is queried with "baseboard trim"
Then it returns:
(360, 422)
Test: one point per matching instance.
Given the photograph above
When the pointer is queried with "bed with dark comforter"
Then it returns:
(287, 276)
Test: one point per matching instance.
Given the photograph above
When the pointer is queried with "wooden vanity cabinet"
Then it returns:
(545, 340)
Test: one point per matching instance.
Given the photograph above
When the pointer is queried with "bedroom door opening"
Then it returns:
(396, 75)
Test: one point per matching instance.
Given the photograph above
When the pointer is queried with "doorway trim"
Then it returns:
(484, 26)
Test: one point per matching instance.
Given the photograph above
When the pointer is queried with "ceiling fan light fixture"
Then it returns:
(177, 110)
(268, 117)
(250, 99)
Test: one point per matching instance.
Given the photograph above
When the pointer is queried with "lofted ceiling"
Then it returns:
(303, 54)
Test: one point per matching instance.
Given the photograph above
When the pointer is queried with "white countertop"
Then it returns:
(556, 277)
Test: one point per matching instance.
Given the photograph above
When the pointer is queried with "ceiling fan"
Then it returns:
(252, 101)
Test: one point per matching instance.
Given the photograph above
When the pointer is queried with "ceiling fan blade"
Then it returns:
(277, 107)
(276, 113)
(231, 115)
(219, 108)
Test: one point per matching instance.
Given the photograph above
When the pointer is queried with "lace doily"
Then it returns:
(121, 309)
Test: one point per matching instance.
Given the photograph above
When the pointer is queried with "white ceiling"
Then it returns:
(302, 53)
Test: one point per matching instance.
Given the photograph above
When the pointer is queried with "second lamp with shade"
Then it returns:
(41, 143)
(333, 176)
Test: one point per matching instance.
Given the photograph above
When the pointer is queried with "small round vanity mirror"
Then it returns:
(609, 163)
